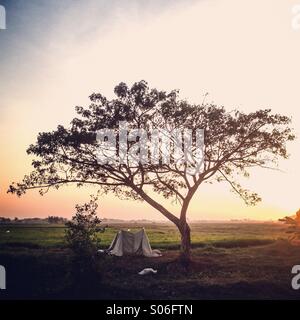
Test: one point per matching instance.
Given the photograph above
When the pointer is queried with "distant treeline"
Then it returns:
(48, 220)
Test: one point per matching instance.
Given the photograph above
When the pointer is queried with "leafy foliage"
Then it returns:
(234, 143)
(294, 225)
(82, 230)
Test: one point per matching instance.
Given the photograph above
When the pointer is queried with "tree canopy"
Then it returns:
(234, 142)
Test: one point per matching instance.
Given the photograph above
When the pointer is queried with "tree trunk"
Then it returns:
(185, 233)
(181, 223)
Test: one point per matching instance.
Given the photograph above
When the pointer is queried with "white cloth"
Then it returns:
(126, 242)
(147, 271)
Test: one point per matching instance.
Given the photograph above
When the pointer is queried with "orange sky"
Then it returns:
(243, 53)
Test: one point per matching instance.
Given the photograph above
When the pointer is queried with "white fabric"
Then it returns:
(147, 271)
(126, 242)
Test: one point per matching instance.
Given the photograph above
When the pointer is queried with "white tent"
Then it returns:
(126, 242)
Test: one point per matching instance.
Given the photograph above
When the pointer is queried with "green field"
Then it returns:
(160, 235)
(229, 261)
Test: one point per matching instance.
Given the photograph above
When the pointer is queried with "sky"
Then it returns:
(54, 54)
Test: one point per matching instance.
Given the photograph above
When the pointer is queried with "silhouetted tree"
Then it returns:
(294, 226)
(56, 220)
(234, 142)
(4, 220)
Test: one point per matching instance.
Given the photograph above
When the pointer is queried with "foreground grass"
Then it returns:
(230, 261)
(258, 272)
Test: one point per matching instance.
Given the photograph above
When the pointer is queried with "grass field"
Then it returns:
(230, 261)
(160, 235)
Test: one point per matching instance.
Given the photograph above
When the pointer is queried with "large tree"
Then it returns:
(234, 143)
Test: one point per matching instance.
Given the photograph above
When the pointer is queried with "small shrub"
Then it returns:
(81, 238)
(82, 230)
